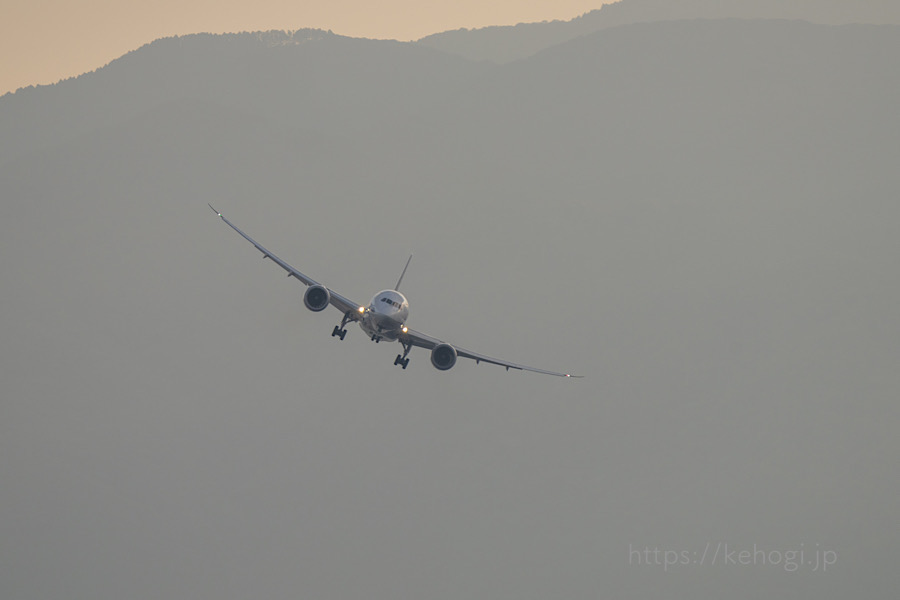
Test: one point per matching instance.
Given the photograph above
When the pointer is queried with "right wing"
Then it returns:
(343, 304)
(411, 336)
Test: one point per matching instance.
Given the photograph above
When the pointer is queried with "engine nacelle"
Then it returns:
(316, 298)
(443, 357)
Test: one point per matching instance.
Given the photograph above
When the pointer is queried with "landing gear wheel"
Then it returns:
(401, 358)
(339, 330)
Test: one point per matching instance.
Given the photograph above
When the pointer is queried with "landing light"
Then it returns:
(405, 329)
(361, 309)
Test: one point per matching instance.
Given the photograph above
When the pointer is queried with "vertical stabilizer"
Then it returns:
(397, 287)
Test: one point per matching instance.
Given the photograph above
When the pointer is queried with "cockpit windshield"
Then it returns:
(391, 302)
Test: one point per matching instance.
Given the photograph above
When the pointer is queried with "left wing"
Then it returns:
(411, 336)
(345, 305)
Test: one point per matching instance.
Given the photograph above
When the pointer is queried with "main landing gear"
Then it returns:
(339, 330)
(402, 360)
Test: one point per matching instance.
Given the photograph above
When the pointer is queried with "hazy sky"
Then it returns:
(43, 41)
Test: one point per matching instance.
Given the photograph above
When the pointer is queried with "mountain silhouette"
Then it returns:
(502, 44)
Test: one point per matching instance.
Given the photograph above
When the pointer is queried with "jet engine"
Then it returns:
(443, 357)
(316, 298)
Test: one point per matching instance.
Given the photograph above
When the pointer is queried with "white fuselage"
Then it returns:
(385, 316)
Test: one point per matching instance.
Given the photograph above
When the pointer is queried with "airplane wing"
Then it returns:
(421, 340)
(341, 303)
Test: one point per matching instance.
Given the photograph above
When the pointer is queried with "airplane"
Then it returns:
(384, 319)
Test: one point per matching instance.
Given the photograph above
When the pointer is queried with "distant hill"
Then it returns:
(389, 96)
(508, 43)
(306, 78)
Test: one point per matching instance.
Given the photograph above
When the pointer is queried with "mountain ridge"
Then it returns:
(502, 44)
(238, 70)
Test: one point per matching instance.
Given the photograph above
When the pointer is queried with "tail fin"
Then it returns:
(397, 287)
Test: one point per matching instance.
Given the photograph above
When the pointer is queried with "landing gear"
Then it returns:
(376, 338)
(401, 359)
(339, 330)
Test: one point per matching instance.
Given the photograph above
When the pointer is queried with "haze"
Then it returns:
(697, 213)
